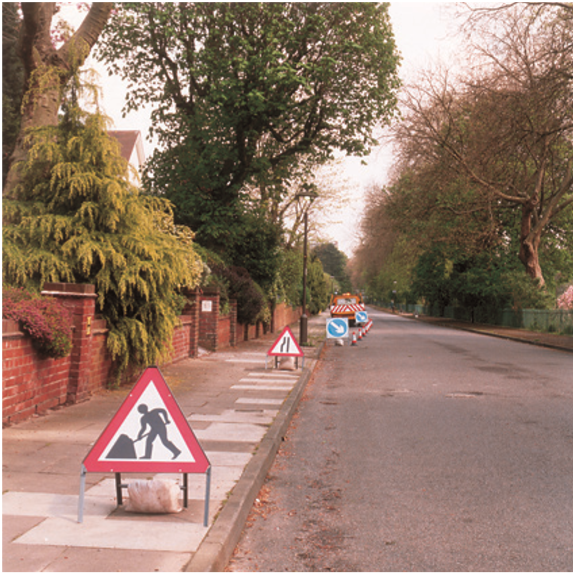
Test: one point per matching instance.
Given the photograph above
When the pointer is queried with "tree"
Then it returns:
(243, 91)
(507, 128)
(318, 290)
(378, 234)
(257, 249)
(289, 279)
(12, 82)
(76, 218)
(48, 69)
(334, 263)
(248, 294)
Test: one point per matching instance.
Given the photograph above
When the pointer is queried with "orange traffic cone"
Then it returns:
(354, 339)
(359, 334)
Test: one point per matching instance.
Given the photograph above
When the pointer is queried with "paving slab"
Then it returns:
(136, 535)
(101, 559)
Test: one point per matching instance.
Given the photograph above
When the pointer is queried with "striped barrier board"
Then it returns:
(347, 308)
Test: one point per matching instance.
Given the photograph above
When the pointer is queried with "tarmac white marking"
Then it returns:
(133, 534)
(260, 401)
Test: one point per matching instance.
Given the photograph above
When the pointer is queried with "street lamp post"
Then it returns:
(304, 318)
(309, 194)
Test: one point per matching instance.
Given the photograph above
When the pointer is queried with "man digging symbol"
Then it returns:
(157, 421)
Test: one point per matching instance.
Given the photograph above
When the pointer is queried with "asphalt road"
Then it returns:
(423, 449)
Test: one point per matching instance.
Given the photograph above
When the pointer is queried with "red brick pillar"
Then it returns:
(79, 299)
(192, 309)
(209, 321)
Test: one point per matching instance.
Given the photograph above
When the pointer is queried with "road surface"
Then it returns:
(423, 448)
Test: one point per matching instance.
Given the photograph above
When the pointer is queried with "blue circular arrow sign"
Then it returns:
(361, 316)
(337, 328)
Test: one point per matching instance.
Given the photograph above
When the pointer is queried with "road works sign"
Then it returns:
(285, 345)
(337, 328)
(149, 433)
(362, 316)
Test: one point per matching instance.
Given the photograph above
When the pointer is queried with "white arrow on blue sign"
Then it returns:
(362, 316)
(337, 328)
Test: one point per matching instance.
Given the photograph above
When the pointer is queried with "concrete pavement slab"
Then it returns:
(228, 459)
(54, 505)
(267, 402)
(258, 387)
(99, 559)
(264, 417)
(136, 535)
(232, 432)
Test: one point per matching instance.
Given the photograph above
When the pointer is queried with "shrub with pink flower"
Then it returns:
(565, 301)
(47, 322)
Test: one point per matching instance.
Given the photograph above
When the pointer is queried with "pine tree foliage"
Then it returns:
(76, 218)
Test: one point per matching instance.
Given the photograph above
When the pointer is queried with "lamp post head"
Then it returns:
(307, 193)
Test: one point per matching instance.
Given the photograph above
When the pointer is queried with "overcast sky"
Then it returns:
(422, 32)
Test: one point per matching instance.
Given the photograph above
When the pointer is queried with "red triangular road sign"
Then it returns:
(285, 345)
(149, 433)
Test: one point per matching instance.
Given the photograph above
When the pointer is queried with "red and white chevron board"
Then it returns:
(347, 308)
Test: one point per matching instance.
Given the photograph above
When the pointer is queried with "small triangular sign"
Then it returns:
(149, 433)
(285, 345)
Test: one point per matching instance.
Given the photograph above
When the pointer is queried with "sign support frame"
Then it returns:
(119, 486)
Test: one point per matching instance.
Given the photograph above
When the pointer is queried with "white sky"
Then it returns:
(421, 30)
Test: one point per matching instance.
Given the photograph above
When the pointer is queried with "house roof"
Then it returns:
(127, 141)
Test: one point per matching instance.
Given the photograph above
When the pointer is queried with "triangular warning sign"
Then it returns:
(285, 345)
(149, 433)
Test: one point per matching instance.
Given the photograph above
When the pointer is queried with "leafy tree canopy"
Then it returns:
(244, 91)
(318, 290)
(334, 264)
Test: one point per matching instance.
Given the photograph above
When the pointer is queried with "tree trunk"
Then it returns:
(48, 70)
(529, 246)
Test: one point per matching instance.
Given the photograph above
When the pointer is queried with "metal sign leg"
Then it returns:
(185, 490)
(82, 493)
(118, 487)
(207, 495)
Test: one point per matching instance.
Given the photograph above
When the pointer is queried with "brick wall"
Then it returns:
(224, 332)
(29, 384)
(101, 365)
(32, 385)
